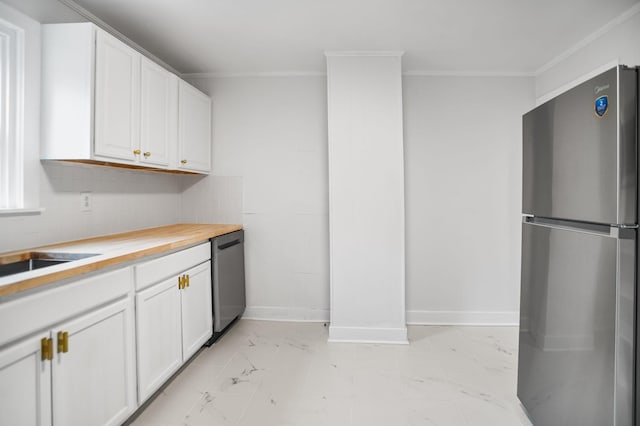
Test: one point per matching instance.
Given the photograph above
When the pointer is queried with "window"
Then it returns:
(11, 116)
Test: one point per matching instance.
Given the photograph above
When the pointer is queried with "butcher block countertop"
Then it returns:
(110, 249)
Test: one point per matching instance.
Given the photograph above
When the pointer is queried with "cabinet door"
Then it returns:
(117, 99)
(158, 113)
(25, 384)
(194, 129)
(197, 313)
(93, 383)
(158, 336)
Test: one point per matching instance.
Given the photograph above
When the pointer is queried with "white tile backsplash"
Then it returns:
(122, 200)
(211, 199)
(270, 166)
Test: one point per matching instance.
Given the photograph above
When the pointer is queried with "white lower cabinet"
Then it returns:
(25, 384)
(197, 312)
(83, 377)
(173, 316)
(159, 336)
(93, 374)
(80, 368)
(74, 354)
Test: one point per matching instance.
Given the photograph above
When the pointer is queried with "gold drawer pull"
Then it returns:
(136, 152)
(147, 154)
(180, 283)
(187, 280)
(46, 349)
(63, 341)
(183, 161)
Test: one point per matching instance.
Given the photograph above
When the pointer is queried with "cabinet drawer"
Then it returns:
(26, 315)
(156, 270)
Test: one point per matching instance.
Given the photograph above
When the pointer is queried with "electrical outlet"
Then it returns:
(85, 202)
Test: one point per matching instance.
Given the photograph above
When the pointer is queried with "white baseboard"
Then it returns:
(277, 313)
(492, 318)
(368, 335)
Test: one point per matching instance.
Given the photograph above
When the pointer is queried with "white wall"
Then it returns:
(619, 43)
(463, 170)
(462, 163)
(270, 174)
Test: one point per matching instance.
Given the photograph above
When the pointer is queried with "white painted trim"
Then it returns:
(550, 95)
(71, 4)
(629, 13)
(397, 336)
(277, 313)
(363, 52)
(203, 75)
(12, 92)
(475, 318)
(21, 212)
(433, 73)
(471, 73)
(478, 318)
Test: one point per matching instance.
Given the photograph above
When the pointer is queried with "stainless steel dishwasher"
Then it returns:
(229, 298)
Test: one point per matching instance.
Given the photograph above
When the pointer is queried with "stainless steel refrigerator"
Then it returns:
(578, 334)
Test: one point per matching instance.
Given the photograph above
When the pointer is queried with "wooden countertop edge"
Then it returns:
(191, 237)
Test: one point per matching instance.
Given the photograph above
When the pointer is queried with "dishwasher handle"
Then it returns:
(229, 244)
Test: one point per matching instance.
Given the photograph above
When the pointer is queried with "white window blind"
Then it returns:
(11, 116)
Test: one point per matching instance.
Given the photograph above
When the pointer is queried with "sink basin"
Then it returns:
(36, 260)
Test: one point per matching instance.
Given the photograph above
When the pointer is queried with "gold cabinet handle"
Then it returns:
(180, 283)
(183, 161)
(187, 280)
(46, 349)
(63, 341)
(136, 152)
(147, 154)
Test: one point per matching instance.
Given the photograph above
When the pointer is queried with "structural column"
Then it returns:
(366, 197)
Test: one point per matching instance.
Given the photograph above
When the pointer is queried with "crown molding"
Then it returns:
(588, 76)
(204, 75)
(414, 73)
(363, 52)
(71, 4)
(471, 73)
(628, 14)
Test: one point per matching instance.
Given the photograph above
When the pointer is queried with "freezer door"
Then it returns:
(579, 152)
(576, 342)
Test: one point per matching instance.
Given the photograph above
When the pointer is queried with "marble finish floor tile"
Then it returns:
(286, 374)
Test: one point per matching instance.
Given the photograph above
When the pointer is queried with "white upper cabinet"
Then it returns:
(159, 116)
(102, 101)
(194, 129)
(117, 101)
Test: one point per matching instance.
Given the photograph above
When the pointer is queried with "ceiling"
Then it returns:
(262, 36)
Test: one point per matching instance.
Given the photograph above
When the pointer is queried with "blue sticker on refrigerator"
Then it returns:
(601, 105)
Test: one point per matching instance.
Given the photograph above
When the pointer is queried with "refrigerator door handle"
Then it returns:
(613, 231)
(625, 333)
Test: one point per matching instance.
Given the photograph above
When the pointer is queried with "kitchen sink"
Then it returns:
(10, 265)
